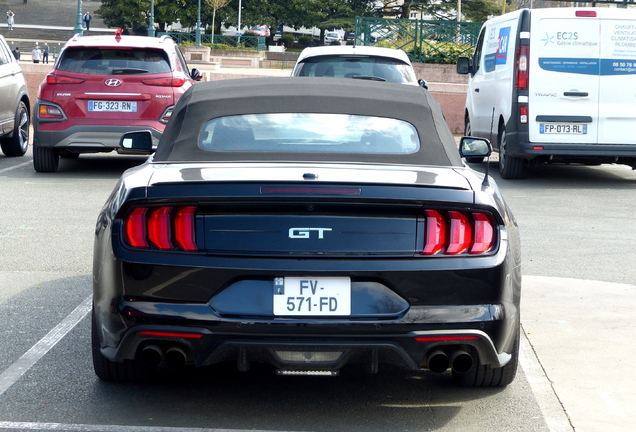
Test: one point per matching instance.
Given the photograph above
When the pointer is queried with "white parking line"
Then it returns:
(553, 411)
(30, 426)
(44, 345)
(4, 170)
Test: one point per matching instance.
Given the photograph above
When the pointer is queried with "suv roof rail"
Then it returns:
(163, 38)
(76, 36)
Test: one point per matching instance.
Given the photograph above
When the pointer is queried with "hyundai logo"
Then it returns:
(296, 233)
(112, 82)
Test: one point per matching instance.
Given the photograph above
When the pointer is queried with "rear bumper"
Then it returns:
(519, 146)
(370, 345)
(89, 138)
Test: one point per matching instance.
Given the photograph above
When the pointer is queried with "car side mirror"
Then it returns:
(422, 83)
(141, 140)
(474, 147)
(196, 74)
(463, 66)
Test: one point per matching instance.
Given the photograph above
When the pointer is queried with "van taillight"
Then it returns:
(458, 233)
(523, 115)
(522, 67)
(165, 228)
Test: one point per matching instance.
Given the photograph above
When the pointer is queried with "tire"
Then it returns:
(488, 376)
(509, 167)
(467, 132)
(128, 370)
(18, 144)
(45, 159)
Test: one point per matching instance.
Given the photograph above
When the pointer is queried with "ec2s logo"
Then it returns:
(298, 233)
(567, 36)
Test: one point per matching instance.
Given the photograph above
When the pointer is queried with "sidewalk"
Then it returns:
(582, 335)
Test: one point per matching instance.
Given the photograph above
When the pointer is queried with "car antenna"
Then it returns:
(486, 183)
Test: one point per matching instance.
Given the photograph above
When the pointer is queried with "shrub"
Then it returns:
(305, 41)
(287, 40)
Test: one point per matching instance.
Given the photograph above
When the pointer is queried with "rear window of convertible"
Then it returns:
(106, 61)
(309, 133)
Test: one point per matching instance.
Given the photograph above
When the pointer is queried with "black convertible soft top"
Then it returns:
(209, 100)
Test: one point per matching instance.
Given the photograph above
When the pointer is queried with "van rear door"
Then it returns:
(564, 84)
(617, 96)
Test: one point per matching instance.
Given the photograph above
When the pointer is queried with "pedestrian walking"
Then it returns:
(87, 20)
(10, 19)
(16, 53)
(36, 54)
(45, 53)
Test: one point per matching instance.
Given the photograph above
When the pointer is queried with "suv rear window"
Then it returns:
(309, 133)
(342, 66)
(104, 61)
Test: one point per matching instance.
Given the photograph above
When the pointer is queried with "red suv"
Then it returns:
(102, 87)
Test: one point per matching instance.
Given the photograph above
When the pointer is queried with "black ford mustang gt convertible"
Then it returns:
(307, 223)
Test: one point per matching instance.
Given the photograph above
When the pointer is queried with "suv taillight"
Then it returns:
(46, 111)
(165, 82)
(165, 228)
(58, 79)
(458, 232)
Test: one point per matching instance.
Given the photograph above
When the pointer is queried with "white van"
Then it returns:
(555, 85)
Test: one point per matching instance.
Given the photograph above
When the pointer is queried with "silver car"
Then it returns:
(14, 104)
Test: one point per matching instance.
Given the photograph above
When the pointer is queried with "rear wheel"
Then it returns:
(45, 159)
(17, 145)
(509, 167)
(467, 132)
(128, 370)
(488, 376)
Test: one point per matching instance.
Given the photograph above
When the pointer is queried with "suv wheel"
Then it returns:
(17, 145)
(45, 159)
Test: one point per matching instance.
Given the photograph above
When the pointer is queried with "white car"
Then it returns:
(332, 37)
(357, 62)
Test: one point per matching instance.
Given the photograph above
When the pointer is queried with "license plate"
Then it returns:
(563, 128)
(312, 296)
(112, 106)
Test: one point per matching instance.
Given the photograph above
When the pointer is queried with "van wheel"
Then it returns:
(17, 145)
(488, 376)
(509, 167)
(467, 132)
(45, 159)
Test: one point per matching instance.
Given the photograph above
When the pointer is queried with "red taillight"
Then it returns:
(159, 227)
(135, 228)
(50, 112)
(584, 13)
(457, 233)
(435, 234)
(57, 79)
(522, 67)
(165, 82)
(163, 228)
(184, 228)
(461, 233)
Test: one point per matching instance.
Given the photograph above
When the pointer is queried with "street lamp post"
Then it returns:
(78, 29)
(198, 30)
(238, 29)
(151, 24)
